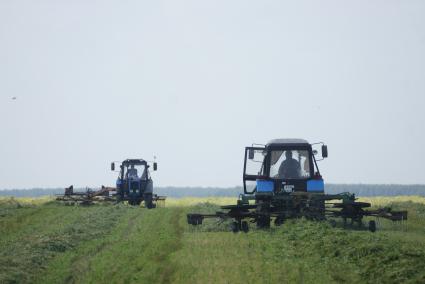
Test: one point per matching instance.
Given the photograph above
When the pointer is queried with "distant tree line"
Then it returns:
(358, 189)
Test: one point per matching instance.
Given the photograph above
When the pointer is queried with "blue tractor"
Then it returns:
(281, 181)
(134, 183)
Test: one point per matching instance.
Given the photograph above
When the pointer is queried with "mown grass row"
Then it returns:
(31, 236)
(304, 251)
(51, 243)
(136, 251)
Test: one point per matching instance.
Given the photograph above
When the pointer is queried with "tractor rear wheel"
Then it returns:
(148, 201)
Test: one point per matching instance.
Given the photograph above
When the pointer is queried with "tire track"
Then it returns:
(167, 267)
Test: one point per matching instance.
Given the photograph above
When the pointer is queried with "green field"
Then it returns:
(45, 242)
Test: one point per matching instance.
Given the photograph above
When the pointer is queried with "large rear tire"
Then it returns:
(148, 201)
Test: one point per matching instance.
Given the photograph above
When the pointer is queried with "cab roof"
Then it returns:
(134, 162)
(288, 142)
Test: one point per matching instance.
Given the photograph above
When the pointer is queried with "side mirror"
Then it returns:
(155, 166)
(112, 166)
(324, 151)
(251, 154)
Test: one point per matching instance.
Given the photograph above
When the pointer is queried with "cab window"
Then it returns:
(289, 164)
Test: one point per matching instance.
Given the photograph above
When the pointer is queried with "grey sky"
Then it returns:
(193, 82)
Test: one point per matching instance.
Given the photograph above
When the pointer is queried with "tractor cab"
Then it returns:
(134, 183)
(282, 166)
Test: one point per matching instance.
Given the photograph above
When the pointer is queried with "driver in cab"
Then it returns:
(290, 168)
(132, 173)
